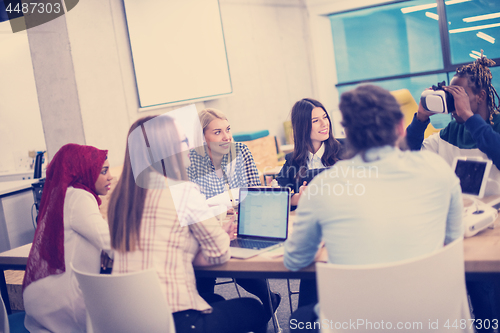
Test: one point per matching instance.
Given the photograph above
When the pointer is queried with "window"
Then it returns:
(414, 44)
(382, 41)
(473, 26)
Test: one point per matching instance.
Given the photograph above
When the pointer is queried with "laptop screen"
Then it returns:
(263, 212)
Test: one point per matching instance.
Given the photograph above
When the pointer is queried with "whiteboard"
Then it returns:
(178, 50)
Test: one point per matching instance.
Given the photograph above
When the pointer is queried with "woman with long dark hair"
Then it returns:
(315, 148)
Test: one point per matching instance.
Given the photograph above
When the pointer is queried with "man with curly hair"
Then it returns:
(475, 131)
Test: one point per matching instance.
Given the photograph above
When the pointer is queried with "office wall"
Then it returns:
(269, 53)
(20, 123)
(279, 51)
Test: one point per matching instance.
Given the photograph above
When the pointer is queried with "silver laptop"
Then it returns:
(262, 220)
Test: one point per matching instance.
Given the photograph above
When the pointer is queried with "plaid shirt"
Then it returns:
(170, 248)
(241, 172)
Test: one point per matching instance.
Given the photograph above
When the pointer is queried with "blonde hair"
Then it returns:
(209, 114)
(206, 117)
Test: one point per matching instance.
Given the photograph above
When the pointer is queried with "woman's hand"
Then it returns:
(106, 261)
(230, 227)
(296, 196)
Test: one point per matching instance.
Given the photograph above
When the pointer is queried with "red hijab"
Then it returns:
(73, 165)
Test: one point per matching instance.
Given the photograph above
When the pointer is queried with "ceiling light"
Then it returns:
(476, 53)
(417, 8)
(486, 37)
(474, 56)
(477, 27)
(453, 2)
(432, 16)
(412, 9)
(481, 17)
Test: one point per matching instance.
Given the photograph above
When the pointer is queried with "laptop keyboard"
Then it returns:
(251, 244)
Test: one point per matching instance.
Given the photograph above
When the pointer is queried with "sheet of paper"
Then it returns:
(273, 254)
(224, 198)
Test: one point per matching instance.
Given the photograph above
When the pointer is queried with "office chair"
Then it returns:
(409, 107)
(13, 323)
(229, 280)
(126, 303)
(417, 292)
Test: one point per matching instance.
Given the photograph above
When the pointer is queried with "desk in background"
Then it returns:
(16, 204)
(15, 259)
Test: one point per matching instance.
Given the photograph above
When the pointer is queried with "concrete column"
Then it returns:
(56, 85)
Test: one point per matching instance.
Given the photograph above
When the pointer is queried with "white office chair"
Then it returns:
(4, 319)
(126, 303)
(414, 293)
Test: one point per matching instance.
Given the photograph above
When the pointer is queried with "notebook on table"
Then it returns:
(263, 214)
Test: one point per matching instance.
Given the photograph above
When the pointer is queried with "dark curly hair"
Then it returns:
(479, 77)
(370, 116)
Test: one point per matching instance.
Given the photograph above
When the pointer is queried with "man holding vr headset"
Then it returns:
(474, 131)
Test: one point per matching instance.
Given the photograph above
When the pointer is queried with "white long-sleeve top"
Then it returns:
(55, 303)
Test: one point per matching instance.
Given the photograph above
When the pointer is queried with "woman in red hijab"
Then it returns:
(70, 230)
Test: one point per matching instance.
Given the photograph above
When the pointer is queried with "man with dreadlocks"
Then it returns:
(475, 131)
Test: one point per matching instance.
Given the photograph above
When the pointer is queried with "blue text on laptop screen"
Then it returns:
(263, 213)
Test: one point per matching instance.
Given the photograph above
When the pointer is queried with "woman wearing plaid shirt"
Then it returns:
(214, 167)
(159, 220)
(220, 162)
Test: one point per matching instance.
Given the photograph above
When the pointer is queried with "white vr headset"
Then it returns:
(437, 100)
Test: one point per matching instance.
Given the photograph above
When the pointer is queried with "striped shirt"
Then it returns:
(171, 235)
(241, 171)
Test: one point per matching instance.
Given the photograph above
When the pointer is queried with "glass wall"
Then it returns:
(473, 26)
(414, 44)
(382, 41)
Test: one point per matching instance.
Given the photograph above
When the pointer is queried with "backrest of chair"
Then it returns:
(408, 107)
(4, 319)
(415, 292)
(125, 303)
(263, 152)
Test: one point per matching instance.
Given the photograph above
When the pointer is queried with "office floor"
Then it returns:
(277, 285)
